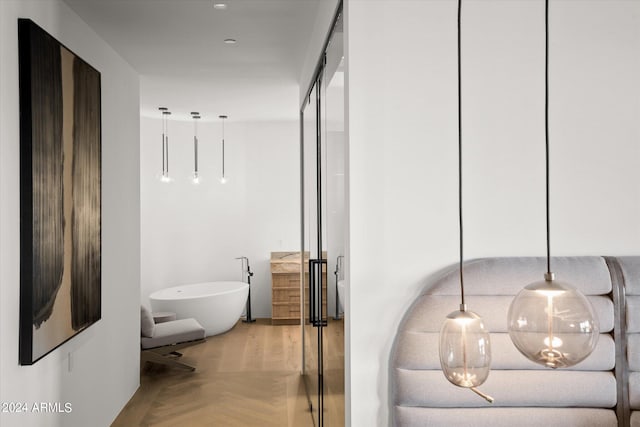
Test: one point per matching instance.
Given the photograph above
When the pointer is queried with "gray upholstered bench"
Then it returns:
(592, 393)
(630, 272)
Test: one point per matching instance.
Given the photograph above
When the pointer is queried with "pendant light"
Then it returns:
(165, 144)
(465, 347)
(195, 177)
(551, 322)
(223, 179)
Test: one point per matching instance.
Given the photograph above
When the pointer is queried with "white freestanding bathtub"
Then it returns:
(217, 306)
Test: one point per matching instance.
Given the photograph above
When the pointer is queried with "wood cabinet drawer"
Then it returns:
(285, 280)
(286, 311)
(289, 296)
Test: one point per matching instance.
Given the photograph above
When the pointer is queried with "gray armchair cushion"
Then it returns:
(507, 276)
(518, 388)
(174, 332)
(147, 325)
(633, 319)
(631, 271)
(521, 417)
(634, 390)
(419, 351)
(429, 311)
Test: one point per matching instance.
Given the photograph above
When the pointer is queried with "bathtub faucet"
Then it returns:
(248, 271)
(248, 318)
(244, 258)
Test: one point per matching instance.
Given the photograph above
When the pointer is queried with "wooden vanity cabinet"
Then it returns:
(285, 287)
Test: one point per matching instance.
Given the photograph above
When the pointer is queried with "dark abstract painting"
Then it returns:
(60, 193)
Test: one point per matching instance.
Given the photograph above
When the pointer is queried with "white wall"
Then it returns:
(192, 233)
(322, 25)
(401, 92)
(104, 369)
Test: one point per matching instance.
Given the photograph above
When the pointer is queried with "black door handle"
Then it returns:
(315, 292)
(312, 287)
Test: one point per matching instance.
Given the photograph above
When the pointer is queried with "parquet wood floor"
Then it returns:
(249, 376)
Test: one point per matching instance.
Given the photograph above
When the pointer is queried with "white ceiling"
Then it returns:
(178, 48)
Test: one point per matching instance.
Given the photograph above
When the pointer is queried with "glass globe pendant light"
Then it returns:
(465, 347)
(223, 179)
(465, 350)
(550, 322)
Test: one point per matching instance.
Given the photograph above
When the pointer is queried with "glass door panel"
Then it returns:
(323, 212)
(333, 204)
(309, 252)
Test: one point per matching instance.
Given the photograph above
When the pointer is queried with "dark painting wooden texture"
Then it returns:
(85, 286)
(60, 193)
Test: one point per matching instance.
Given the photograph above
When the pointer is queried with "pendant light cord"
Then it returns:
(546, 126)
(460, 154)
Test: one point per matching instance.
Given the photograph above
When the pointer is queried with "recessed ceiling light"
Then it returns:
(230, 41)
(220, 6)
